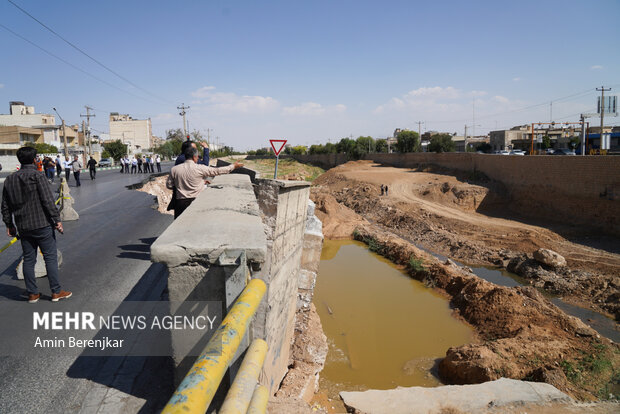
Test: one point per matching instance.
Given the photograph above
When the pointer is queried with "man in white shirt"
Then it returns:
(76, 165)
(67, 166)
(158, 161)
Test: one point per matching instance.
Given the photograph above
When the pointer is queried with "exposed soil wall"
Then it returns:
(581, 189)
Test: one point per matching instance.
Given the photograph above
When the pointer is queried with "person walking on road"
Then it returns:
(188, 179)
(28, 209)
(50, 168)
(158, 161)
(139, 163)
(126, 164)
(122, 165)
(68, 167)
(386, 190)
(152, 163)
(58, 166)
(77, 166)
(134, 164)
(38, 163)
(92, 168)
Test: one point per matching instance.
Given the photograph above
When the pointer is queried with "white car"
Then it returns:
(503, 152)
(517, 152)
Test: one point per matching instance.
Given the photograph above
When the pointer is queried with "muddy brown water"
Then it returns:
(384, 329)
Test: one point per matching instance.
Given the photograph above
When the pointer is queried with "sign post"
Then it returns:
(277, 152)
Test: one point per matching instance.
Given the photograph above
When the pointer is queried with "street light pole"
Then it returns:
(64, 135)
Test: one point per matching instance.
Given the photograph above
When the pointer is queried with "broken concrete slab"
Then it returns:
(464, 398)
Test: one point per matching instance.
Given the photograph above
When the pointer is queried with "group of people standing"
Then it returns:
(140, 164)
(53, 167)
(384, 189)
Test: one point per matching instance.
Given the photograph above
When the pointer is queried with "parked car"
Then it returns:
(564, 151)
(517, 152)
(549, 151)
(503, 152)
(105, 162)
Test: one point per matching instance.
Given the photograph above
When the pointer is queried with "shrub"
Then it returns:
(416, 265)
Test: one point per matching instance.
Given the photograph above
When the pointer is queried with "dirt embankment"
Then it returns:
(521, 334)
(467, 217)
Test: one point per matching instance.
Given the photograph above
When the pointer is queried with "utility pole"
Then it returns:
(419, 129)
(209, 136)
(583, 135)
(465, 138)
(64, 138)
(551, 111)
(602, 107)
(64, 134)
(88, 116)
(473, 108)
(182, 108)
(83, 133)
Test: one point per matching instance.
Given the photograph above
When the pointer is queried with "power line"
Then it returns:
(74, 66)
(86, 54)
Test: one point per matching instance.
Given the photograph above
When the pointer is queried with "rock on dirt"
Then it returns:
(339, 221)
(157, 187)
(550, 258)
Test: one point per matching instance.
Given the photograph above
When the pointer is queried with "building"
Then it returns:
(157, 141)
(504, 139)
(25, 116)
(137, 133)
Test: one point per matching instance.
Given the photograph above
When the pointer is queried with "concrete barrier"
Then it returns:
(210, 251)
(234, 231)
(283, 206)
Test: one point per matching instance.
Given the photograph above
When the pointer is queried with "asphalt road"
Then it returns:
(105, 261)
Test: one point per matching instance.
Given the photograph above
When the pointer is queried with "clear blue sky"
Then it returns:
(310, 71)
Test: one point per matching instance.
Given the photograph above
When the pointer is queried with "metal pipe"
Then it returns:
(260, 398)
(240, 393)
(197, 389)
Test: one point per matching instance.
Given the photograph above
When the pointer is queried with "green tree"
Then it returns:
(574, 142)
(116, 149)
(365, 145)
(484, 147)
(546, 142)
(381, 145)
(316, 149)
(408, 141)
(441, 143)
(42, 148)
(176, 134)
(330, 148)
(346, 145)
(105, 154)
(299, 150)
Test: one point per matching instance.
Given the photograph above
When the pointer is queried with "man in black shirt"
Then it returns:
(92, 168)
(28, 208)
